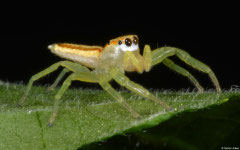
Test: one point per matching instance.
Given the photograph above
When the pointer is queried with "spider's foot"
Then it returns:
(135, 114)
(50, 124)
(171, 109)
(139, 117)
(18, 105)
(51, 120)
(49, 89)
(21, 101)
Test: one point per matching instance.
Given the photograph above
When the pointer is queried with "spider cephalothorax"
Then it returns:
(124, 43)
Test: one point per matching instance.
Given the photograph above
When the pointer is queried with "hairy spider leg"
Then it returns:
(130, 57)
(121, 79)
(161, 54)
(58, 79)
(141, 63)
(80, 76)
(147, 56)
(70, 65)
(107, 87)
(169, 63)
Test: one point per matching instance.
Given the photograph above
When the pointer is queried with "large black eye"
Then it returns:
(119, 42)
(128, 42)
(135, 40)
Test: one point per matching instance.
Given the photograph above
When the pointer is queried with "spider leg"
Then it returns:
(129, 56)
(147, 56)
(107, 87)
(160, 54)
(81, 76)
(169, 63)
(121, 79)
(70, 65)
(61, 75)
(140, 62)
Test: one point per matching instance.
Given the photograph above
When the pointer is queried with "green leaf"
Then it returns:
(85, 116)
(213, 128)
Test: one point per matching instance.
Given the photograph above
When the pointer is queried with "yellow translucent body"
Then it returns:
(110, 62)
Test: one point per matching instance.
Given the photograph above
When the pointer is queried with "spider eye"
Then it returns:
(135, 40)
(128, 42)
(119, 42)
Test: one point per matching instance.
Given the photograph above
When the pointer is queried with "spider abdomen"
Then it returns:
(82, 54)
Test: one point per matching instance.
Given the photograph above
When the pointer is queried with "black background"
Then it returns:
(209, 33)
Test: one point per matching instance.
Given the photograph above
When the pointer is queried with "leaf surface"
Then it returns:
(85, 116)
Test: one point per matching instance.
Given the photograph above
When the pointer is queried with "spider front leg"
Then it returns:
(159, 55)
(169, 63)
(121, 79)
(107, 87)
(147, 55)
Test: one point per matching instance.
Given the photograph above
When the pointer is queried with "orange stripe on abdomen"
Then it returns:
(80, 47)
